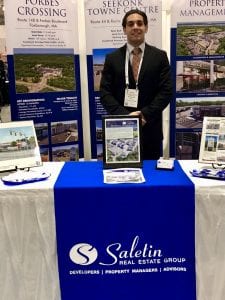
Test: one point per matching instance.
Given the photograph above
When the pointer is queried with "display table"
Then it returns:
(28, 258)
(28, 262)
(210, 234)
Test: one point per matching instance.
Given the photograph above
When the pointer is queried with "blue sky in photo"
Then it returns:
(16, 133)
(99, 55)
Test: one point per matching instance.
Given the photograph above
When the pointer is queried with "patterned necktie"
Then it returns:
(136, 61)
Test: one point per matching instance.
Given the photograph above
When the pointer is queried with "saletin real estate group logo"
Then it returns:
(137, 258)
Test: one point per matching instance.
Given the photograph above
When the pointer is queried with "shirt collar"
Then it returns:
(130, 47)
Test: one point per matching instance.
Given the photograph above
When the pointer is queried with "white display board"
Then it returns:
(41, 24)
(212, 149)
(104, 22)
(18, 146)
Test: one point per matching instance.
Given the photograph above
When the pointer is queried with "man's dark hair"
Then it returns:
(134, 11)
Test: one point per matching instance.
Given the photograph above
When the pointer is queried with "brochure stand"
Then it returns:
(212, 149)
(19, 152)
(121, 141)
(18, 146)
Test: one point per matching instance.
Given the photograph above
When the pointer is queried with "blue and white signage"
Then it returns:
(44, 73)
(104, 33)
(125, 241)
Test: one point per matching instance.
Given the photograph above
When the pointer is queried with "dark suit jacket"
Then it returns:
(154, 83)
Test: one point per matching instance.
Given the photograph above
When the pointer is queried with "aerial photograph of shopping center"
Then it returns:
(200, 39)
(44, 73)
(122, 150)
(191, 111)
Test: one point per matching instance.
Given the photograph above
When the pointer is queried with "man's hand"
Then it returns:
(138, 113)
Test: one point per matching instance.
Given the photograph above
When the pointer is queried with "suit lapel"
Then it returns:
(121, 59)
(121, 64)
(145, 61)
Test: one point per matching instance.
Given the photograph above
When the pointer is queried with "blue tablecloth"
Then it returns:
(125, 241)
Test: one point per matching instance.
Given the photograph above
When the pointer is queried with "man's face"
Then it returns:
(135, 29)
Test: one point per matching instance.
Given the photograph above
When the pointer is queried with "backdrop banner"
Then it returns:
(197, 60)
(104, 34)
(125, 241)
(44, 74)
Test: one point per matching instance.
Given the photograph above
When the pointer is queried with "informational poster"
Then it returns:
(44, 73)
(104, 33)
(198, 59)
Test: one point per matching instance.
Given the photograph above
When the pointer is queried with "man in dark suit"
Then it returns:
(146, 96)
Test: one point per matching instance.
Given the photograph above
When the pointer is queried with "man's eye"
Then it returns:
(138, 23)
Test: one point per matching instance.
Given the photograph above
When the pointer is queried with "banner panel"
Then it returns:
(104, 33)
(198, 61)
(44, 74)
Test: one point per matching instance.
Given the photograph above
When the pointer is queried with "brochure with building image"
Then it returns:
(123, 175)
(121, 141)
(212, 148)
(18, 146)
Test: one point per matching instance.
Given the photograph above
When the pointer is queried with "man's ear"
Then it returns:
(146, 28)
